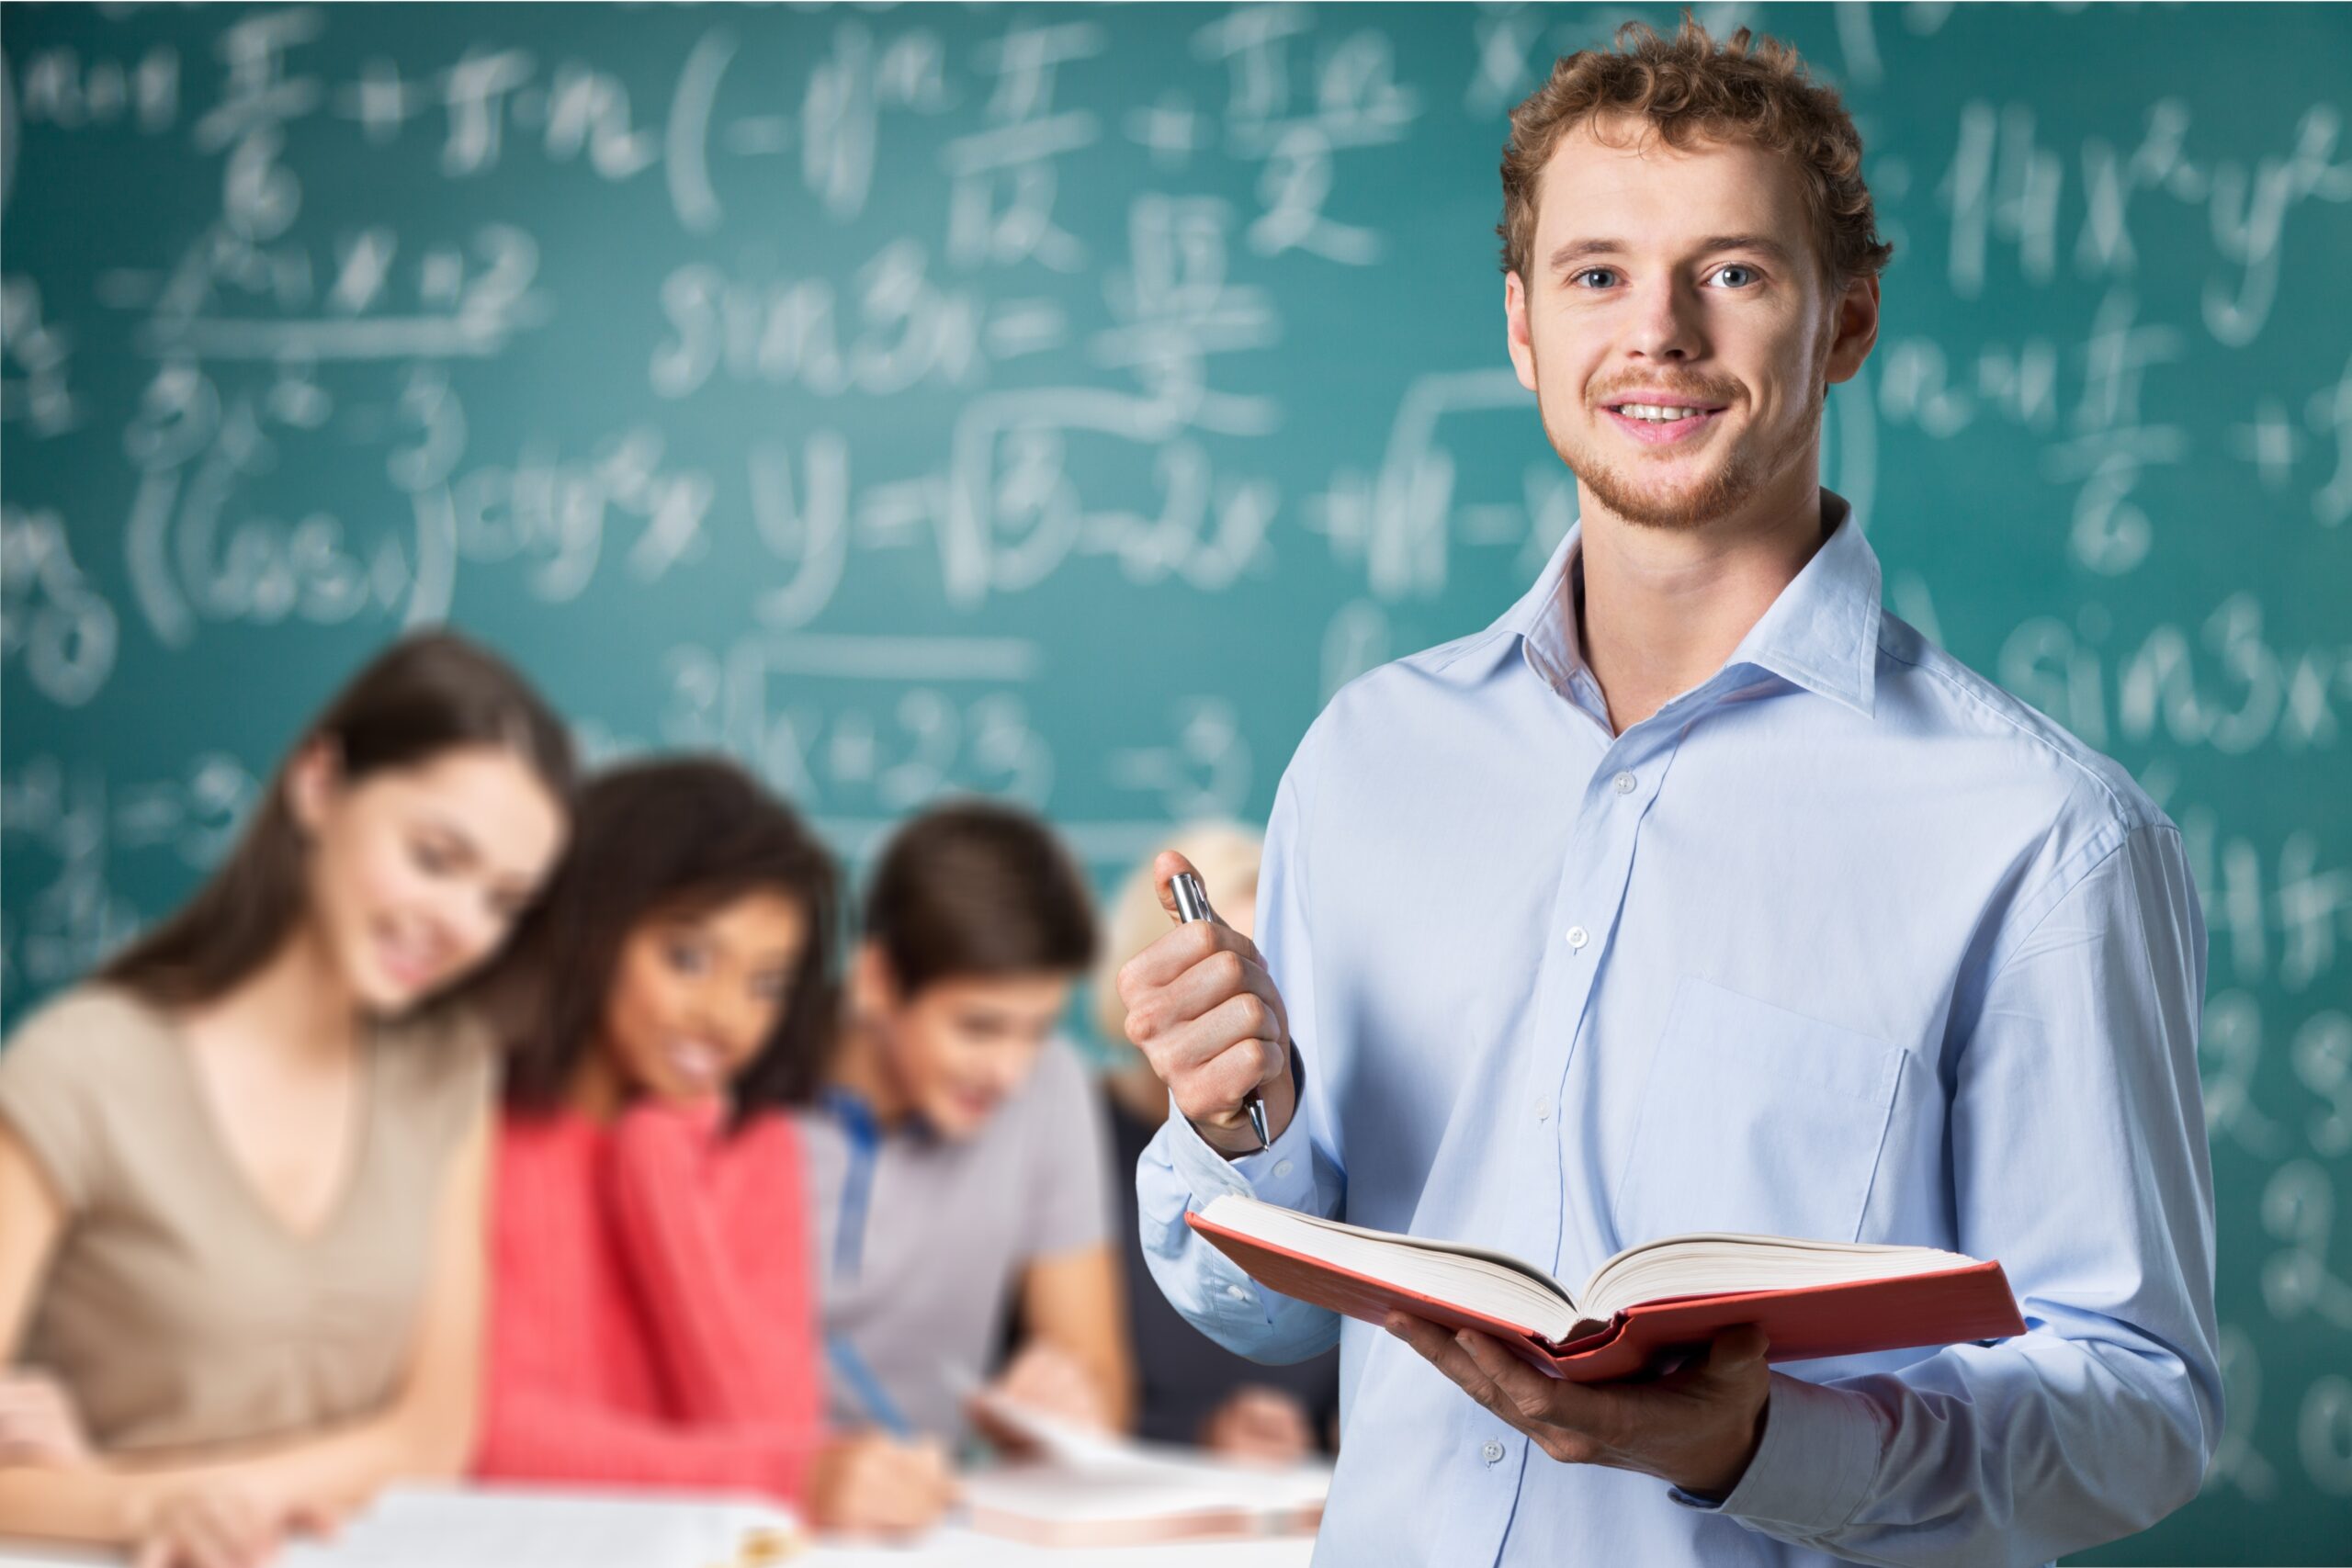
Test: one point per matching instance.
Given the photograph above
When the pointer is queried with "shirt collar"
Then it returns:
(866, 1131)
(1821, 633)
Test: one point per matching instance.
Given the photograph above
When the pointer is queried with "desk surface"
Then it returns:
(462, 1526)
(964, 1550)
(941, 1548)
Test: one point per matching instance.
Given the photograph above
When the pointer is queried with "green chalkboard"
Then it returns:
(1059, 402)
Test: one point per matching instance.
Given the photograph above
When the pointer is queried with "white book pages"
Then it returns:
(1503, 1287)
(1065, 1443)
(1490, 1283)
(1713, 1264)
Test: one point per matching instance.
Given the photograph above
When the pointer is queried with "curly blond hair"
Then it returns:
(1691, 89)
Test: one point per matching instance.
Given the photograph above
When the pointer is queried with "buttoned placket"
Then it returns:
(1595, 873)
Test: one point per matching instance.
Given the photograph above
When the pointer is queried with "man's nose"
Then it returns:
(1665, 320)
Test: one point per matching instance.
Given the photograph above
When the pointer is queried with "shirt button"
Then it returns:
(1542, 1109)
(1239, 1293)
(1578, 936)
(1492, 1451)
(1283, 1168)
(1625, 783)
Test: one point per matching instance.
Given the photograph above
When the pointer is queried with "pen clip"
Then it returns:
(1192, 898)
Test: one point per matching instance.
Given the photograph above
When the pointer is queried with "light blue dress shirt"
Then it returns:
(1844, 943)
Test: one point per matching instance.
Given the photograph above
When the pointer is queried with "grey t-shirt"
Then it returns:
(949, 1226)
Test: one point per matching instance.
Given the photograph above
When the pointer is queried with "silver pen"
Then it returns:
(1192, 904)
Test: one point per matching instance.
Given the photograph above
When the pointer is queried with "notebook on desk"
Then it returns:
(409, 1526)
(1072, 1487)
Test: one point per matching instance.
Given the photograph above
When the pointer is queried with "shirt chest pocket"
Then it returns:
(1755, 1119)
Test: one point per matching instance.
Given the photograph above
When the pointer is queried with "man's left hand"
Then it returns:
(1697, 1426)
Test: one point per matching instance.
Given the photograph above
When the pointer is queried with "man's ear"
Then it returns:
(1854, 329)
(1515, 332)
(311, 779)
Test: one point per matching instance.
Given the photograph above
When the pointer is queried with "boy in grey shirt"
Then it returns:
(956, 1154)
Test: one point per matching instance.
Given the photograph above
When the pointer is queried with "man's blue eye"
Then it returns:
(1734, 266)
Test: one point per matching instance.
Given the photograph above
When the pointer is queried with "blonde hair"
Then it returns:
(1227, 856)
(1693, 89)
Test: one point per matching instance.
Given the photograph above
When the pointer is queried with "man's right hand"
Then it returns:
(1203, 1009)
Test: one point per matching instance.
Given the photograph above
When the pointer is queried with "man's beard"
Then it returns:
(1698, 497)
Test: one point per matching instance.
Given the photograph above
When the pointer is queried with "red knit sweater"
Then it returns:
(652, 1322)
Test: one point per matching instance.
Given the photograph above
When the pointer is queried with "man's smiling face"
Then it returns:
(1635, 302)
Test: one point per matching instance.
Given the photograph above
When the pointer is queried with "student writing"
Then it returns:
(957, 1163)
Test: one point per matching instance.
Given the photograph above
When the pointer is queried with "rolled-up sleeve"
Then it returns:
(2079, 1161)
(1179, 1173)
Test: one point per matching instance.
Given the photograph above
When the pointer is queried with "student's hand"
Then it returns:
(1697, 1426)
(38, 1424)
(218, 1525)
(869, 1484)
(1263, 1424)
(1054, 1383)
(1203, 1009)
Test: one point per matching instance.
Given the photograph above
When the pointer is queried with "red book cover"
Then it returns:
(1944, 1308)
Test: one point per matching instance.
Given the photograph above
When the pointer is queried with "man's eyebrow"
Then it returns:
(1577, 249)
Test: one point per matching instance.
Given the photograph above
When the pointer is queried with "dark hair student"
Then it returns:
(673, 838)
(973, 889)
(957, 1162)
(654, 1317)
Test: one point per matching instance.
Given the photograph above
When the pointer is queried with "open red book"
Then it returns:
(1812, 1298)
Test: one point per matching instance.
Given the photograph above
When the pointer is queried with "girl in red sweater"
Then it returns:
(654, 1322)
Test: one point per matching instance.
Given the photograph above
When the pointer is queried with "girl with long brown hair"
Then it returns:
(242, 1168)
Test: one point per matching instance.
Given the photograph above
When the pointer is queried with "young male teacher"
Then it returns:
(1696, 893)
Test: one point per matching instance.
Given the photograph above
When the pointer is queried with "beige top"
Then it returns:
(179, 1309)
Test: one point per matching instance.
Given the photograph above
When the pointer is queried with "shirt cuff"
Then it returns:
(1815, 1465)
(1282, 1173)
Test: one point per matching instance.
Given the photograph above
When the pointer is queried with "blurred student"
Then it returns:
(242, 1170)
(957, 1163)
(654, 1322)
(1188, 1388)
